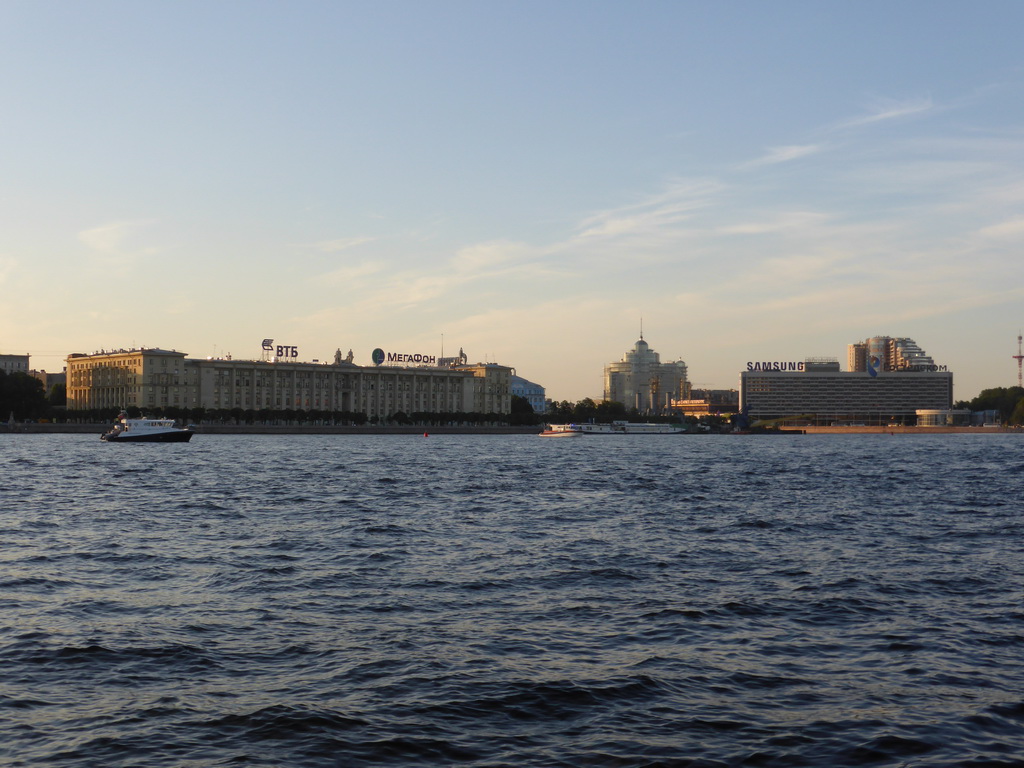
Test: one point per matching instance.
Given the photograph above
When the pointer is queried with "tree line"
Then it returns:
(1007, 401)
(604, 412)
(286, 416)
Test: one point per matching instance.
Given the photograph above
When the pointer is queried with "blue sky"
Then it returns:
(526, 180)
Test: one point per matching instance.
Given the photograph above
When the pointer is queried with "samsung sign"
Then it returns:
(775, 366)
(398, 358)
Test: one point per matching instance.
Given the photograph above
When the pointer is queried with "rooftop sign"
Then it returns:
(775, 366)
(379, 357)
(281, 350)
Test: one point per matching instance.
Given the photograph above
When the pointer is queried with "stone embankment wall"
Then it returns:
(260, 429)
(910, 430)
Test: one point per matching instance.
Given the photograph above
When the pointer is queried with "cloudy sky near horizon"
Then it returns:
(525, 180)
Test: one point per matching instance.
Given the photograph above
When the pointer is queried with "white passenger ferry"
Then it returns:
(632, 428)
(146, 431)
(618, 428)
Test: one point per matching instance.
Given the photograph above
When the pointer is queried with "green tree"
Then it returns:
(559, 412)
(1017, 417)
(58, 395)
(522, 413)
(611, 410)
(22, 395)
(1005, 400)
(585, 410)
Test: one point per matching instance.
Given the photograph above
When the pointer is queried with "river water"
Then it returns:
(475, 600)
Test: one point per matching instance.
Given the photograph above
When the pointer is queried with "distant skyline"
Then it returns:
(756, 181)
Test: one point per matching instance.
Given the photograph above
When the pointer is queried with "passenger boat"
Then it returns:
(631, 428)
(615, 428)
(146, 431)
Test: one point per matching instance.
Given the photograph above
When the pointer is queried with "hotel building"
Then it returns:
(158, 378)
(640, 380)
(819, 391)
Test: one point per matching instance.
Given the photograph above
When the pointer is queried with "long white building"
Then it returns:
(158, 378)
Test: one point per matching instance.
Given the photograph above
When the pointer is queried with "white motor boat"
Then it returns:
(146, 431)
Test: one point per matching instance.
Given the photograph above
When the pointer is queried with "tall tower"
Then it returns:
(1020, 361)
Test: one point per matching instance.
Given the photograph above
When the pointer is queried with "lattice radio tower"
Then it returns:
(1020, 361)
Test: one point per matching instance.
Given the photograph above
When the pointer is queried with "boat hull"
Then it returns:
(178, 436)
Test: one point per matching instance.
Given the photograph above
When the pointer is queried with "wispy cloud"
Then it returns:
(494, 268)
(118, 241)
(655, 214)
(786, 221)
(888, 109)
(489, 255)
(1011, 229)
(340, 244)
(7, 266)
(352, 273)
(776, 155)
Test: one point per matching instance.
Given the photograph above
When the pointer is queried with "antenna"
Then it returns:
(641, 327)
(1020, 361)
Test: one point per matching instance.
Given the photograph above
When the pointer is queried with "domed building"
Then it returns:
(640, 380)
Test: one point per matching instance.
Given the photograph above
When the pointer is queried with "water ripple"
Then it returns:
(492, 601)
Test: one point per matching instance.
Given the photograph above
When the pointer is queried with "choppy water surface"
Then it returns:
(512, 601)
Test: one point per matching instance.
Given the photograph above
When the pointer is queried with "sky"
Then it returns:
(529, 181)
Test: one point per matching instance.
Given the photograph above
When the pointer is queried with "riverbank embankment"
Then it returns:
(283, 429)
(865, 430)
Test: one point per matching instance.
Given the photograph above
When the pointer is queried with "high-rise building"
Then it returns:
(885, 353)
(640, 380)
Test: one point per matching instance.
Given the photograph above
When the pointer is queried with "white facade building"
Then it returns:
(531, 392)
(641, 381)
(157, 378)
